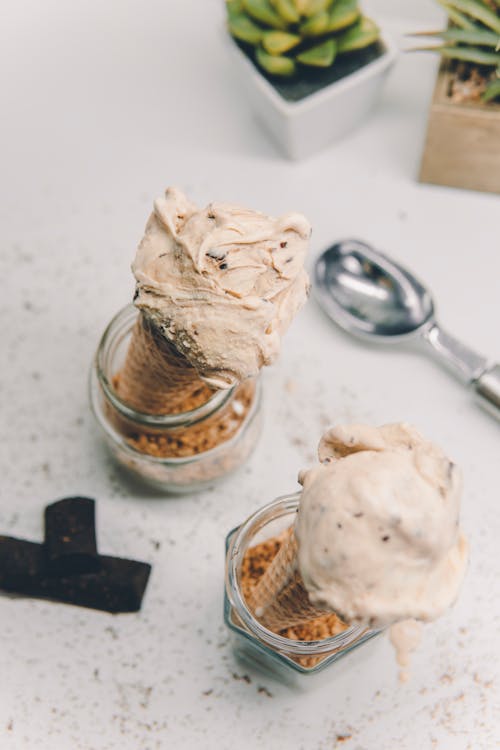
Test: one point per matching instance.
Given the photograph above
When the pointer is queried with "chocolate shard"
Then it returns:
(118, 586)
(22, 564)
(70, 539)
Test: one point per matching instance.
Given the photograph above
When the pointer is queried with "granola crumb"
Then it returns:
(195, 438)
(264, 691)
(245, 677)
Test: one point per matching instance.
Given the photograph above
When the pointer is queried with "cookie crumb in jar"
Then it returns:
(194, 438)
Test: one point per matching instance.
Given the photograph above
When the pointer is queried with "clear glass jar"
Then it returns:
(118, 422)
(288, 660)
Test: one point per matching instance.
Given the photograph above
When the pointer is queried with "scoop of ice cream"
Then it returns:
(222, 283)
(378, 526)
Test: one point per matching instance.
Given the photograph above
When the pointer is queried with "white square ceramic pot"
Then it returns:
(304, 127)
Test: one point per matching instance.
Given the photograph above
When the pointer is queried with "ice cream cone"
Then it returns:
(280, 599)
(216, 290)
(156, 378)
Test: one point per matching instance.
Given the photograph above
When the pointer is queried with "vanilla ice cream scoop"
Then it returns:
(378, 526)
(222, 283)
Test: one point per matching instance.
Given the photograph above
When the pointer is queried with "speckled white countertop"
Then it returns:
(104, 104)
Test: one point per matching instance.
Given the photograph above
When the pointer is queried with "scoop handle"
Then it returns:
(470, 367)
(465, 363)
(487, 390)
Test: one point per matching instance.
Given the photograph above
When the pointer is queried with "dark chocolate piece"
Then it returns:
(67, 567)
(118, 586)
(21, 564)
(70, 541)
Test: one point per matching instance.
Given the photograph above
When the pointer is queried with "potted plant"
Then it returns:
(463, 135)
(312, 68)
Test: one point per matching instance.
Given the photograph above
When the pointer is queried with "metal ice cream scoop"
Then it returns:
(375, 299)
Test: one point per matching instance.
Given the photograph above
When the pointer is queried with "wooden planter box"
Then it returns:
(462, 147)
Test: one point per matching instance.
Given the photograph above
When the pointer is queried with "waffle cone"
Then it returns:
(156, 378)
(280, 599)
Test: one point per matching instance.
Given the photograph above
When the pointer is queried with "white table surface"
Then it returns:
(103, 106)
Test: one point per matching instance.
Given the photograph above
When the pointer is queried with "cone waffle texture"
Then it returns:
(280, 599)
(155, 378)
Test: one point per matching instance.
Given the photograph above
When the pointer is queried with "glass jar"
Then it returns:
(288, 660)
(121, 424)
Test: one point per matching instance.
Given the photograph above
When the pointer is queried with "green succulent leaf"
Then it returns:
(301, 6)
(234, 8)
(244, 29)
(287, 10)
(320, 56)
(456, 17)
(262, 10)
(478, 36)
(468, 54)
(275, 65)
(477, 10)
(343, 14)
(316, 25)
(364, 33)
(278, 42)
(492, 91)
(313, 7)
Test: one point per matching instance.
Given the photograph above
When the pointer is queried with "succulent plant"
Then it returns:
(472, 36)
(289, 34)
